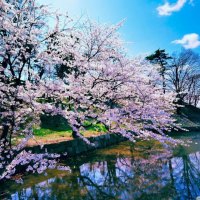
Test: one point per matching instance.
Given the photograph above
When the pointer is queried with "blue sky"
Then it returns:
(149, 24)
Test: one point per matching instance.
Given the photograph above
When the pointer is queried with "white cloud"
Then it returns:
(167, 9)
(189, 41)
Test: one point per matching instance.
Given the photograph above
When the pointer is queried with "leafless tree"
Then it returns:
(193, 95)
(183, 76)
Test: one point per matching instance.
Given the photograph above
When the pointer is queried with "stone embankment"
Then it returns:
(78, 146)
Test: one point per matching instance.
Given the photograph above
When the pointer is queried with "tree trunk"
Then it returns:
(75, 134)
(5, 132)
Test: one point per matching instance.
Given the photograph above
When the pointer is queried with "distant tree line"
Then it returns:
(180, 73)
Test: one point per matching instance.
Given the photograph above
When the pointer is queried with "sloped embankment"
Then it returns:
(189, 117)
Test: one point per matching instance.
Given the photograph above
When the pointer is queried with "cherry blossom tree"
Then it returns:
(116, 91)
(27, 89)
(81, 73)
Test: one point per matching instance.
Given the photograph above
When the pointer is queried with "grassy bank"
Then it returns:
(55, 129)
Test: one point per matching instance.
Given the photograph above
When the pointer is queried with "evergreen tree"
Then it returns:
(160, 57)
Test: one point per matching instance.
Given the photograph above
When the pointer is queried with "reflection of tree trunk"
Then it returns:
(76, 173)
(86, 182)
(171, 173)
(35, 193)
(132, 153)
(112, 177)
(186, 175)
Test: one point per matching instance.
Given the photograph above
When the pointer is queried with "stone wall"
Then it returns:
(78, 146)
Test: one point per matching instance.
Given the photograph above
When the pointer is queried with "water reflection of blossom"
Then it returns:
(155, 175)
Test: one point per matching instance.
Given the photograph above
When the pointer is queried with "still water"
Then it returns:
(126, 171)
